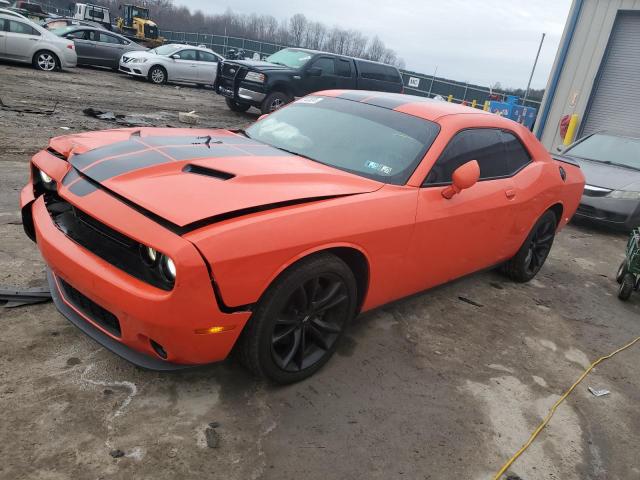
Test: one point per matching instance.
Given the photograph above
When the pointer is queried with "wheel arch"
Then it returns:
(353, 255)
(281, 86)
(48, 50)
(558, 210)
(166, 71)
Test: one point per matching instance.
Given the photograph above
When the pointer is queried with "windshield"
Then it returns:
(363, 139)
(600, 147)
(290, 57)
(60, 31)
(166, 49)
(140, 13)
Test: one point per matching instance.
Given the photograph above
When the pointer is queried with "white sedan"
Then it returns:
(22, 40)
(173, 63)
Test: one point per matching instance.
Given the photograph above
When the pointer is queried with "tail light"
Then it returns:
(71, 46)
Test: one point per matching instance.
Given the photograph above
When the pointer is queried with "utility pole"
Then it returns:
(535, 62)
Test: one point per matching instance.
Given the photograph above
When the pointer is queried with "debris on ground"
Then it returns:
(470, 302)
(212, 436)
(20, 109)
(599, 393)
(29, 296)
(191, 117)
(116, 453)
(119, 118)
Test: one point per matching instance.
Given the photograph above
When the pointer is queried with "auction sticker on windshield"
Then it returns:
(384, 169)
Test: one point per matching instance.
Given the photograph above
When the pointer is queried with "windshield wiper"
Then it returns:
(241, 132)
(279, 63)
(296, 153)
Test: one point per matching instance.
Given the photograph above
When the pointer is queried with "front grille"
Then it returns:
(150, 31)
(91, 309)
(112, 246)
(231, 75)
(596, 213)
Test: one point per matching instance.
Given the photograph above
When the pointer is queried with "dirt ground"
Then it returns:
(431, 387)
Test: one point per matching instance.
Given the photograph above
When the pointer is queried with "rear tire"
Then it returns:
(274, 101)
(299, 320)
(46, 61)
(626, 286)
(534, 251)
(622, 271)
(236, 106)
(157, 75)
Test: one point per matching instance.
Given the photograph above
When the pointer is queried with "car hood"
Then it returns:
(260, 65)
(191, 177)
(608, 176)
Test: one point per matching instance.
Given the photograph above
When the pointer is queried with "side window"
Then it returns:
(483, 145)
(188, 55)
(326, 65)
(78, 35)
(517, 155)
(378, 71)
(106, 38)
(206, 56)
(22, 28)
(4, 25)
(343, 68)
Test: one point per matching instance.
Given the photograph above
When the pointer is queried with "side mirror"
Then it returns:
(262, 117)
(465, 176)
(314, 72)
(175, 56)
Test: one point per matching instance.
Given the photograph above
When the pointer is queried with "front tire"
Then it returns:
(534, 251)
(299, 321)
(236, 106)
(622, 270)
(157, 75)
(274, 101)
(46, 61)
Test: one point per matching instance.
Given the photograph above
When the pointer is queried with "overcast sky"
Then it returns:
(480, 41)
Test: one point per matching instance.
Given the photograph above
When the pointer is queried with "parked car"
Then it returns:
(295, 72)
(5, 3)
(611, 165)
(173, 63)
(12, 13)
(170, 246)
(33, 11)
(56, 23)
(22, 40)
(98, 47)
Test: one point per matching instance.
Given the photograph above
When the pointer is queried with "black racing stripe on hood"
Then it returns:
(83, 160)
(355, 96)
(387, 102)
(70, 177)
(112, 168)
(201, 151)
(82, 187)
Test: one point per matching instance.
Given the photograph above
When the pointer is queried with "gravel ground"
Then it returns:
(426, 388)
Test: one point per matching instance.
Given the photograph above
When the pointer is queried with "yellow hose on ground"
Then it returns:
(544, 422)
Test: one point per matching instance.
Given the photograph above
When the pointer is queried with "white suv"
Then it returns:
(22, 40)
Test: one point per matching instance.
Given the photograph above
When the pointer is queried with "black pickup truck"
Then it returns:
(295, 72)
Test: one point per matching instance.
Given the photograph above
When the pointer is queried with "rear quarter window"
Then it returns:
(377, 71)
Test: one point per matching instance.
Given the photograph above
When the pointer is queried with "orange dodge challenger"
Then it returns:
(171, 246)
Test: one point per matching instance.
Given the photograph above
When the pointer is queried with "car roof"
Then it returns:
(194, 47)
(321, 52)
(6, 11)
(423, 107)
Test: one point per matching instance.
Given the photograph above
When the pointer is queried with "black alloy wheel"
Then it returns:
(534, 251)
(297, 324)
(310, 323)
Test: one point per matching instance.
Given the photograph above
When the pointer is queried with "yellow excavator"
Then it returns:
(136, 25)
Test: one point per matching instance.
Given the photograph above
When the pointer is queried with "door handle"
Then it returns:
(510, 194)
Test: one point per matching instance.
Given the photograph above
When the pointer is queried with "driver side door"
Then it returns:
(473, 230)
(326, 80)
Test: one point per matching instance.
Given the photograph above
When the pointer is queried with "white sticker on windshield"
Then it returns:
(306, 57)
(384, 169)
(311, 100)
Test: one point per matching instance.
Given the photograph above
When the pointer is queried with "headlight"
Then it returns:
(149, 255)
(255, 77)
(139, 60)
(168, 268)
(621, 194)
(46, 181)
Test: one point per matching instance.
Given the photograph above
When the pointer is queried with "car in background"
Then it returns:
(30, 10)
(611, 165)
(173, 63)
(295, 72)
(170, 246)
(22, 40)
(12, 13)
(5, 3)
(98, 47)
(55, 23)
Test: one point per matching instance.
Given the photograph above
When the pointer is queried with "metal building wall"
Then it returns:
(583, 59)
